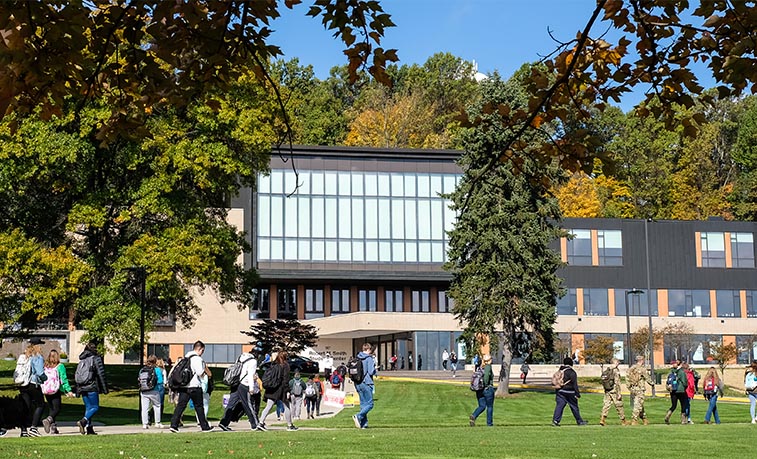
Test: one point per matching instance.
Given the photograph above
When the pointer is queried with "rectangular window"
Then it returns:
(689, 303)
(287, 307)
(340, 301)
(595, 302)
(728, 302)
(420, 301)
(637, 303)
(366, 300)
(579, 248)
(747, 346)
(751, 304)
(742, 250)
(393, 300)
(259, 308)
(713, 250)
(445, 302)
(610, 247)
(313, 303)
(568, 304)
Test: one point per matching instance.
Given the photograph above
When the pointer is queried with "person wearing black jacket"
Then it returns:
(90, 390)
(568, 394)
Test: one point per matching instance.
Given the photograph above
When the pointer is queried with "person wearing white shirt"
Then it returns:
(242, 393)
(193, 390)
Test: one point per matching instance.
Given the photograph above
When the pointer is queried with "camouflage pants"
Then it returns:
(613, 398)
(637, 400)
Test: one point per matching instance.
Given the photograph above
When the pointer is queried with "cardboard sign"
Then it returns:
(334, 398)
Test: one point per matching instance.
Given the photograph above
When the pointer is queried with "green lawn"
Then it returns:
(410, 420)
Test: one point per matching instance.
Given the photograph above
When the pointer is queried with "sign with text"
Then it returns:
(334, 398)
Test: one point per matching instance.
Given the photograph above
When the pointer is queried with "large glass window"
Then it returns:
(579, 248)
(713, 250)
(287, 308)
(393, 300)
(751, 303)
(747, 346)
(742, 250)
(259, 308)
(595, 302)
(366, 300)
(637, 303)
(313, 303)
(340, 300)
(610, 247)
(445, 302)
(689, 347)
(689, 303)
(568, 304)
(354, 217)
(729, 303)
(420, 301)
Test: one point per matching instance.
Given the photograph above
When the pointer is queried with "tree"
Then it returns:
(578, 198)
(640, 341)
(680, 337)
(503, 269)
(600, 350)
(723, 353)
(282, 335)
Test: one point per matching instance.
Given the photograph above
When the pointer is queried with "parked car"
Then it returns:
(303, 364)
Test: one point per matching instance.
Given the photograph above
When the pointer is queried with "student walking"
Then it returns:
(567, 394)
(149, 378)
(453, 363)
(161, 367)
(297, 394)
(311, 395)
(524, 369)
(90, 383)
(445, 358)
(485, 396)
(241, 394)
(193, 390)
(319, 386)
(750, 384)
(691, 388)
(712, 386)
(676, 385)
(276, 385)
(53, 388)
(364, 387)
(637, 378)
(30, 390)
(613, 397)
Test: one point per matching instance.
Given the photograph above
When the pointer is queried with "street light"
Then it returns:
(141, 275)
(633, 291)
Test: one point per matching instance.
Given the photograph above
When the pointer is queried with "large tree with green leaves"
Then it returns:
(502, 266)
(277, 335)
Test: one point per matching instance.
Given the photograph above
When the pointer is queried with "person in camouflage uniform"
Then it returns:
(636, 378)
(612, 396)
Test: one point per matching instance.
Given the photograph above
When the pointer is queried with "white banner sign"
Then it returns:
(334, 398)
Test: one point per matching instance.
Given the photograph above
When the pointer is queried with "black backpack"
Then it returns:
(147, 379)
(181, 374)
(271, 378)
(233, 375)
(355, 370)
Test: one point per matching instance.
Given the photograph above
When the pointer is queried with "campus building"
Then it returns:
(352, 240)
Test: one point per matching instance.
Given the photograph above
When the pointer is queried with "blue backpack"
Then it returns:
(672, 382)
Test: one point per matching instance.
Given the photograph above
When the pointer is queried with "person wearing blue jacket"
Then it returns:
(31, 392)
(365, 387)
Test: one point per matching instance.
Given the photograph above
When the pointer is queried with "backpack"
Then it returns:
(233, 375)
(22, 375)
(672, 381)
(296, 388)
(750, 382)
(558, 378)
(181, 374)
(355, 370)
(335, 379)
(709, 386)
(271, 378)
(477, 380)
(608, 379)
(52, 383)
(310, 390)
(85, 371)
(147, 379)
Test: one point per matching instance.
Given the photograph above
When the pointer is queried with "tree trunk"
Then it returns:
(503, 388)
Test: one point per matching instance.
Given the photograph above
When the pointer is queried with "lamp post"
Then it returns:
(633, 291)
(649, 306)
(141, 274)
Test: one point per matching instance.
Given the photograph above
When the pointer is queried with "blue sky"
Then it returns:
(497, 34)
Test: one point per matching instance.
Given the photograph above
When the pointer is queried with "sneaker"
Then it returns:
(82, 425)
(3, 432)
(472, 421)
(292, 427)
(261, 427)
(224, 428)
(356, 420)
(33, 432)
(145, 426)
(46, 424)
(754, 421)
(209, 429)
(25, 433)
(158, 425)
(173, 429)
(555, 424)
(582, 423)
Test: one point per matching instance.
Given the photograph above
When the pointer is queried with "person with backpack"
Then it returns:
(750, 385)
(90, 383)
(311, 395)
(276, 384)
(636, 379)
(30, 388)
(611, 385)
(56, 385)
(524, 369)
(336, 380)
(692, 378)
(342, 370)
(149, 378)
(676, 385)
(193, 368)
(453, 363)
(484, 393)
(242, 390)
(362, 369)
(320, 389)
(566, 393)
(296, 394)
(712, 386)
